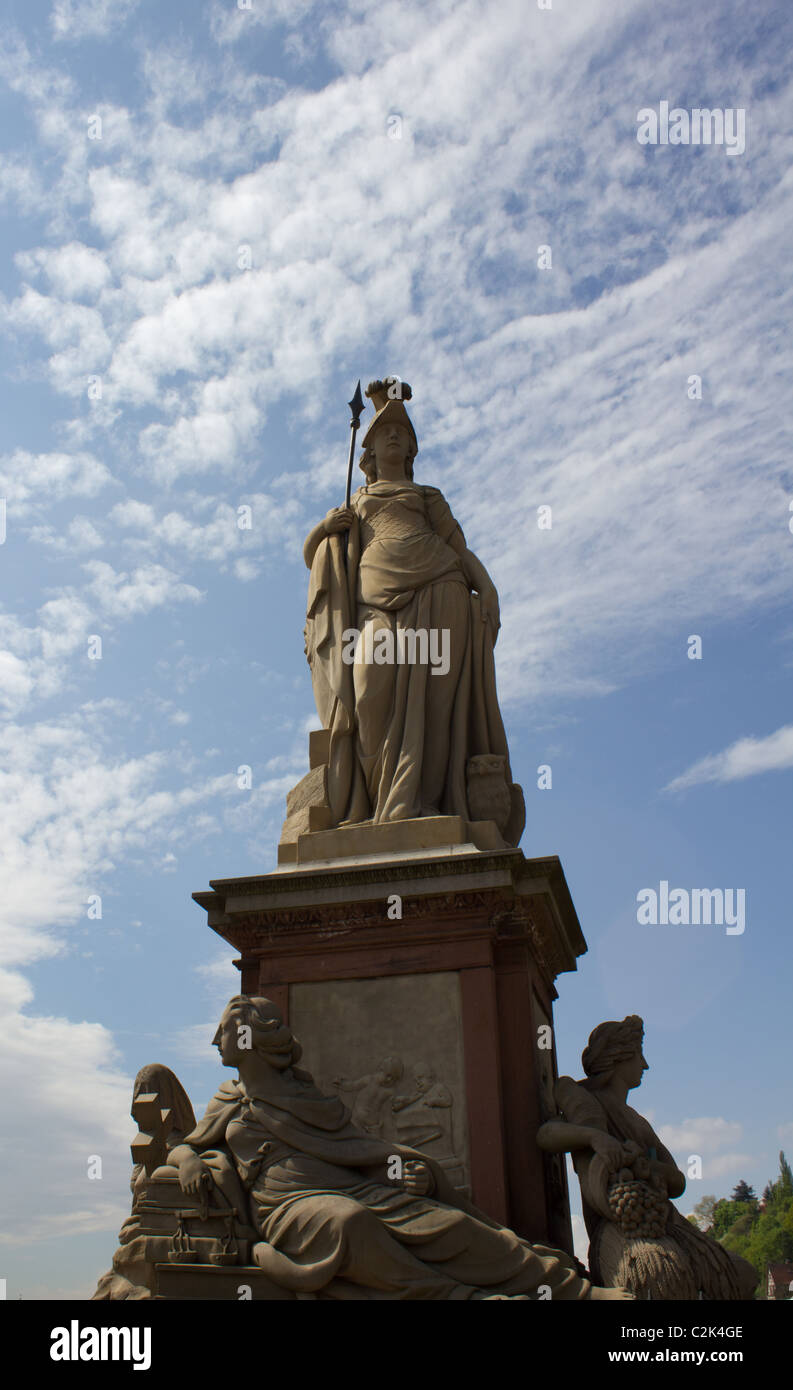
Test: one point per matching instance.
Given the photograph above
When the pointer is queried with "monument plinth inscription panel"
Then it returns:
(392, 1049)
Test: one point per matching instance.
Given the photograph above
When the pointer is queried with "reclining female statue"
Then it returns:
(333, 1221)
(638, 1239)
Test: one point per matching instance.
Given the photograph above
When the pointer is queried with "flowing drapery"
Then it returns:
(402, 735)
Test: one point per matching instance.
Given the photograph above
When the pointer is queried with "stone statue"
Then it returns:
(155, 1229)
(401, 623)
(638, 1239)
(311, 1202)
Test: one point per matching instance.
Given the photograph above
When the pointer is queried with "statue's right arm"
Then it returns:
(557, 1136)
(584, 1126)
(337, 519)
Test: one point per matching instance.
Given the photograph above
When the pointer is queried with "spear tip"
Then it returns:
(356, 405)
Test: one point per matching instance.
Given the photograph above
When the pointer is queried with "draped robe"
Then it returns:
(401, 734)
(333, 1226)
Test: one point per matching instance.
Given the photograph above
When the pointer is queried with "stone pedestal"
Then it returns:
(421, 986)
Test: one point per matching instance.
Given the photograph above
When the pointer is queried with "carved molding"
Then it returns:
(506, 911)
(300, 880)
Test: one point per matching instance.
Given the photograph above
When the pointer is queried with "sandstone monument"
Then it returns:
(403, 937)
(413, 949)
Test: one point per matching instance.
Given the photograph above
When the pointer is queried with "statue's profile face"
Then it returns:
(392, 445)
(226, 1040)
(633, 1070)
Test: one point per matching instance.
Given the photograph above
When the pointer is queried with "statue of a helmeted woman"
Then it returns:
(410, 702)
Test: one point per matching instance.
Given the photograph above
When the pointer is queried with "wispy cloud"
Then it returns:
(256, 246)
(705, 1138)
(89, 19)
(747, 757)
(705, 1135)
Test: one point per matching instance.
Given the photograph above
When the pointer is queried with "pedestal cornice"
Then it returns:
(483, 898)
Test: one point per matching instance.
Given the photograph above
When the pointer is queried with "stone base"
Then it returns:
(212, 1281)
(421, 987)
(351, 844)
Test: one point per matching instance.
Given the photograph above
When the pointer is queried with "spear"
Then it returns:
(356, 406)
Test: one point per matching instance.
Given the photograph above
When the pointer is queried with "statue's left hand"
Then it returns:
(417, 1177)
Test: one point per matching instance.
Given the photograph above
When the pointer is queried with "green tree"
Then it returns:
(702, 1215)
(768, 1242)
(725, 1214)
(762, 1237)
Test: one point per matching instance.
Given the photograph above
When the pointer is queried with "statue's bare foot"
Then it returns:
(598, 1293)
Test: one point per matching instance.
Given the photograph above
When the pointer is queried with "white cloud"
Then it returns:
(274, 520)
(706, 1137)
(20, 183)
(67, 818)
(220, 976)
(35, 660)
(80, 537)
(123, 595)
(194, 1043)
(230, 22)
(747, 757)
(726, 1165)
(89, 19)
(701, 1136)
(73, 270)
(29, 480)
(566, 387)
(246, 571)
(76, 333)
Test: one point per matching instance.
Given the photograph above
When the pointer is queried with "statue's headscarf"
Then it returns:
(155, 1078)
(612, 1043)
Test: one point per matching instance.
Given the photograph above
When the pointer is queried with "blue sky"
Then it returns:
(264, 138)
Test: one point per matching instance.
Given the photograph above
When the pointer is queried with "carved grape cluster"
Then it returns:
(638, 1208)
